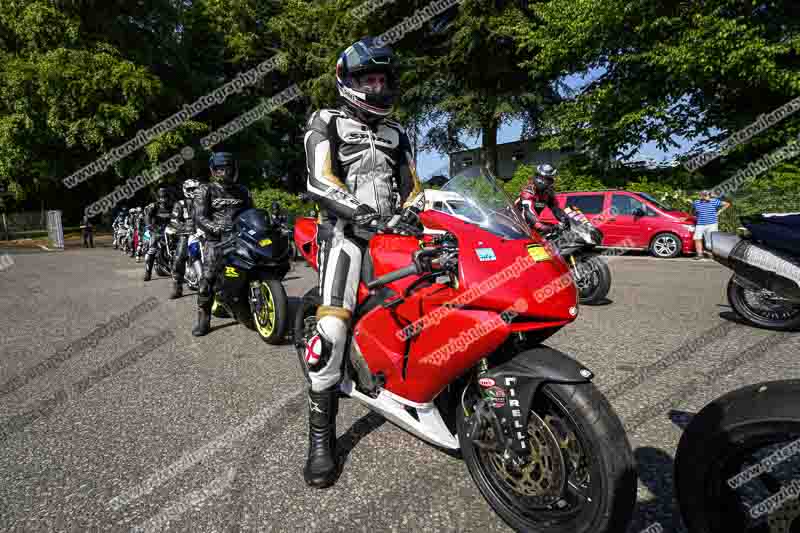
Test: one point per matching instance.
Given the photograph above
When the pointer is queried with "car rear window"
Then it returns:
(590, 204)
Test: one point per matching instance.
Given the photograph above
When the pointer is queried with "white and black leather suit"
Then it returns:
(215, 208)
(352, 167)
(183, 222)
(156, 220)
(116, 226)
(141, 248)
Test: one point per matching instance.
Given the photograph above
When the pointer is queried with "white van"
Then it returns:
(454, 204)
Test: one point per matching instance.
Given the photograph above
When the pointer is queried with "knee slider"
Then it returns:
(331, 336)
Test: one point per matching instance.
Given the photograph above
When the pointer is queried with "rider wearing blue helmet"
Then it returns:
(216, 206)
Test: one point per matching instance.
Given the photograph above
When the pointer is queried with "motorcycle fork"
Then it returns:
(255, 300)
(501, 410)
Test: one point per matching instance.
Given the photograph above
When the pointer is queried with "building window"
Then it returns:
(466, 162)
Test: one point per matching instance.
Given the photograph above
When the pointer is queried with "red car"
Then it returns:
(633, 220)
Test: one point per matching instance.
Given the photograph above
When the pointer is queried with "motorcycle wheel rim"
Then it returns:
(265, 320)
(577, 479)
(732, 506)
(589, 279)
(763, 306)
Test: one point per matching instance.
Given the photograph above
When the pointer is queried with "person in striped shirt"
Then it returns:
(705, 210)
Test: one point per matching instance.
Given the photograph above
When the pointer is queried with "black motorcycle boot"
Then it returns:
(177, 290)
(321, 466)
(148, 266)
(203, 322)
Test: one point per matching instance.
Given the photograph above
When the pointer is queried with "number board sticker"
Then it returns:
(486, 254)
(538, 252)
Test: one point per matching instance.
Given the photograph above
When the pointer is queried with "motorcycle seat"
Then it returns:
(780, 231)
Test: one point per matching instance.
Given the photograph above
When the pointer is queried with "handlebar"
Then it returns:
(393, 276)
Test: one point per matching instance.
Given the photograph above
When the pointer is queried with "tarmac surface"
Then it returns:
(139, 424)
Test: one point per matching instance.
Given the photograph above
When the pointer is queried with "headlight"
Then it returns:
(689, 228)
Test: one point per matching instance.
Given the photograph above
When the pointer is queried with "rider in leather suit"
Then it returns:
(216, 206)
(183, 222)
(538, 194)
(360, 172)
(117, 225)
(141, 249)
(156, 221)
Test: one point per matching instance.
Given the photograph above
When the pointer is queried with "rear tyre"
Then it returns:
(271, 321)
(599, 476)
(666, 246)
(762, 308)
(305, 325)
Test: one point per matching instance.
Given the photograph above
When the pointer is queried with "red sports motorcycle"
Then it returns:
(446, 344)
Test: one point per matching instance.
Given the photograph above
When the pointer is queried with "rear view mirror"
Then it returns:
(638, 212)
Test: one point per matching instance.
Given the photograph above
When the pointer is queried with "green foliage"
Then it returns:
(289, 203)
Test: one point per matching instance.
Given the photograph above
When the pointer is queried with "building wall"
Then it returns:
(506, 165)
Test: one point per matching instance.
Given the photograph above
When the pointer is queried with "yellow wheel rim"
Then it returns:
(265, 320)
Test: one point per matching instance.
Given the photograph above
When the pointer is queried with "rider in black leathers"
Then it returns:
(156, 221)
(360, 172)
(183, 222)
(216, 206)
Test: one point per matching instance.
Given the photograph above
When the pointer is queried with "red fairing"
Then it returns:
(453, 328)
(305, 238)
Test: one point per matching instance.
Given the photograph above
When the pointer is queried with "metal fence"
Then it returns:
(26, 221)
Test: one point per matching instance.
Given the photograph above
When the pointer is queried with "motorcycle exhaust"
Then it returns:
(755, 264)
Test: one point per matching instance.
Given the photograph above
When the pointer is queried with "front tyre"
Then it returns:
(573, 426)
(763, 308)
(594, 280)
(271, 312)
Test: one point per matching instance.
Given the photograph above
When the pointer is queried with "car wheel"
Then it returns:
(666, 245)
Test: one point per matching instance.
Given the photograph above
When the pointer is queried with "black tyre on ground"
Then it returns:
(770, 314)
(598, 280)
(666, 246)
(305, 323)
(600, 474)
(728, 436)
(161, 270)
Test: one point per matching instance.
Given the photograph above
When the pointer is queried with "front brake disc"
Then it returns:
(543, 478)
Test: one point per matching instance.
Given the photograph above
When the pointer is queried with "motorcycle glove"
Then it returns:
(365, 216)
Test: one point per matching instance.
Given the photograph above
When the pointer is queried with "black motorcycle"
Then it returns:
(765, 258)
(577, 244)
(737, 467)
(249, 288)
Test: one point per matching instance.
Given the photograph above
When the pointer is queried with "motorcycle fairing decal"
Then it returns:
(538, 253)
(264, 242)
(231, 272)
(485, 254)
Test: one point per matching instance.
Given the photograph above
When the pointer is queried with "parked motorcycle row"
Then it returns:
(447, 343)
(257, 256)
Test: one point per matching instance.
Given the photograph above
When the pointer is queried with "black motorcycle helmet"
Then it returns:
(362, 58)
(544, 180)
(224, 165)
